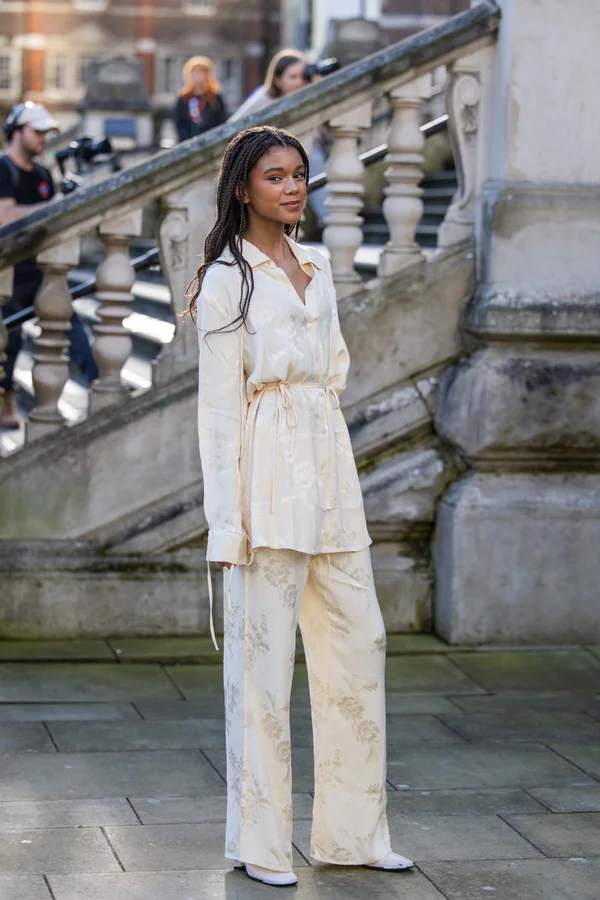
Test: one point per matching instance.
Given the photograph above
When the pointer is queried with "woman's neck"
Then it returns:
(269, 237)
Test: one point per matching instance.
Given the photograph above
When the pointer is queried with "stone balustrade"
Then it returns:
(183, 182)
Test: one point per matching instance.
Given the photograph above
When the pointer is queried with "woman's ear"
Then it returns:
(246, 197)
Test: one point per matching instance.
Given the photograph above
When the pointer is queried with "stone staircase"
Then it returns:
(105, 531)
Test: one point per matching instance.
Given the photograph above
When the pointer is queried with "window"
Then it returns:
(56, 77)
(91, 5)
(168, 75)
(5, 73)
(83, 68)
(199, 5)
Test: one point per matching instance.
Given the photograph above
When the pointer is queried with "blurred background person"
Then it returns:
(25, 186)
(284, 76)
(288, 72)
(200, 105)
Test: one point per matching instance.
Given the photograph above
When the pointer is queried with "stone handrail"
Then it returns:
(183, 181)
(404, 61)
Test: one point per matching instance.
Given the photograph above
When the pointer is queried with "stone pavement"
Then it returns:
(112, 774)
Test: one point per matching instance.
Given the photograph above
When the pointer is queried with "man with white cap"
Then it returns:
(26, 185)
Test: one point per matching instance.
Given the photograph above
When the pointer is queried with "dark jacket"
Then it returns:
(194, 115)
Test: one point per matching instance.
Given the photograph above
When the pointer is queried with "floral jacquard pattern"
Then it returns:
(342, 630)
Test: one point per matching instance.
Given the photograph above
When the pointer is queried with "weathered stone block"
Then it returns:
(503, 404)
(516, 559)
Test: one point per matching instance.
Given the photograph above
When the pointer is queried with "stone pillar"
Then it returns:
(517, 538)
(114, 281)
(345, 172)
(53, 307)
(403, 206)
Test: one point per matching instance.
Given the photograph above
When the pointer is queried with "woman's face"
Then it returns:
(199, 77)
(292, 78)
(276, 187)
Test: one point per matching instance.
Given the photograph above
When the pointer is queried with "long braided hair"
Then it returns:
(242, 154)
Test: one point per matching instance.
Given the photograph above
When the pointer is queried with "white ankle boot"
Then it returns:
(267, 876)
(393, 862)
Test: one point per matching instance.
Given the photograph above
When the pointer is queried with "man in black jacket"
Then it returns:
(25, 186)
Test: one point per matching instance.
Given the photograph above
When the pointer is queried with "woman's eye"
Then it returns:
(301, 176)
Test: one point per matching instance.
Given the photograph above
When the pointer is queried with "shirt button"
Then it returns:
(323, 431)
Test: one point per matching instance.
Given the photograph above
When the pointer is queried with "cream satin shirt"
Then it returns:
(276, 456)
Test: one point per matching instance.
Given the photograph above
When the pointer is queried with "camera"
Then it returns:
(323, 67)
(85, 152)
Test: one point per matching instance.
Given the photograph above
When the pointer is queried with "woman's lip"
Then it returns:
(292, 203)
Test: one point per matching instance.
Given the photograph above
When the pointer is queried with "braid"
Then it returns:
(242, 154)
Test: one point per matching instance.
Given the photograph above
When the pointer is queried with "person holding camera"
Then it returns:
(25, 186)
(284, 76)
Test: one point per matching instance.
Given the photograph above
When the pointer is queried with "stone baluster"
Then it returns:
(403, 206)
(463, 96)
(345, 173)
(6, 287)
(114, 280)
(53, 307)
(187, 216)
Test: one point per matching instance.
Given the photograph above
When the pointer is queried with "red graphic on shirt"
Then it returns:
(44, 190)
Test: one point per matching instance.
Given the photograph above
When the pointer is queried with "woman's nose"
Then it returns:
(291, 186)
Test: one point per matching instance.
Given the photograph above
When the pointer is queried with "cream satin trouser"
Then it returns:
(333, 597)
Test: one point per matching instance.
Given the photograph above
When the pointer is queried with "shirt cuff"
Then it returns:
(227, 546)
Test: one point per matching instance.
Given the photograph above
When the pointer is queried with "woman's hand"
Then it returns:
(225, 565)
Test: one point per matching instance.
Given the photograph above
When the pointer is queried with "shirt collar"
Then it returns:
(257, 258)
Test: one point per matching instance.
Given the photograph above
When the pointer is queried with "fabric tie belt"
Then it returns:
(285, 390)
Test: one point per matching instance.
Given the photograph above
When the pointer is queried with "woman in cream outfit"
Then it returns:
(286, 522)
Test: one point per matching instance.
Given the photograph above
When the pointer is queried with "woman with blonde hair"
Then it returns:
(284, 76)
(200, 105)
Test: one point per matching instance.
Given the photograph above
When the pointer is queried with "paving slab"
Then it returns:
(419, 704)
(332, 882)
(197, 683)
(56, 712)
(545, 879)
(60, 776)
(211, 706)
(61, 850)
(511, 702)
(582, 754)
(174, 735)
(529, 765)
(64, 682)
(426, 837)
(419, 730)
(559, 800)
(23, 887)
(161, 848)
(569, 835)
(28, 814)
(28, 737)
(165, 649)
(191, 810)
(40, 651)
(531, 725)
(481, 802)
(564, 670)
(400, 644)
(435, 674)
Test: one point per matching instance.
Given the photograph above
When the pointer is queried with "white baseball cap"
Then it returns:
(37, 116)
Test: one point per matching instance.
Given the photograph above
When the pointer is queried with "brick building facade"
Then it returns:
(46, 46)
